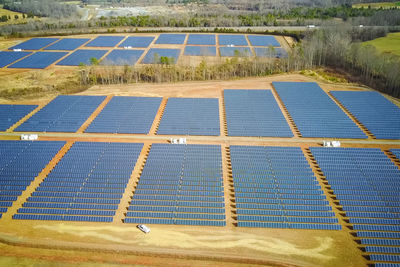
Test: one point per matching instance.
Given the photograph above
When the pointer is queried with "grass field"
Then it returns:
(378, 5)
(388, 44)
(11, 15)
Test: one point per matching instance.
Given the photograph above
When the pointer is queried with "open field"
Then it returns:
(388, 44)
(11, 15)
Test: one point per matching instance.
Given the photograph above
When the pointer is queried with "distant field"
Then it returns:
(388, 44)
(11, 15)
(378, 5)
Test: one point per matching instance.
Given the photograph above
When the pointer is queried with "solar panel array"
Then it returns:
(86, 185)
(38, 60)
(374, 111)
(263, 40)
(34, 44)
(201, 39)
(275, 187)
(200, 51)
(11, 114)
(65, 113)
(8, 57)
(232, 39)
(122, 57)
(171, 38)
(137, 41)
(254, 113)
(154, 55)
(83, 56)
(314, 112)
(105, 41)
(125, 114)
(67, 44)
(367, 185)
(190, 116)
(20, 163)
(180, 184)
(226, 51)
(276, 52)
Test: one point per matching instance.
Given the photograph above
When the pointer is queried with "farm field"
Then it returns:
(388, 44)
(120, 242)
(384, 5)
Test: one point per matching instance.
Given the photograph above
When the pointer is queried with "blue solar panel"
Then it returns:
(254, 113)
(137, 41)
(271, 53)
(82, 57)
(200, 51)
(314, 112)
(20, 164)
(38, 60)
(122, 57)
(171, 38)
(366, 183)
(68, 44)
(260, 176)
(105, 41)
(84, 163)
(154, 55)
(11, 114)
(34, 43)
(126, 115)
(235, 52)
(194, 205)
(235, 39)
(190, 116)
(201, 39)
(8, 57)
(66, 113)
(263, 40)
(374, 111)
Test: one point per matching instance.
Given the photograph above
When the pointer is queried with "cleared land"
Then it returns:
(385, 5)
(388, 44)
(11, 17)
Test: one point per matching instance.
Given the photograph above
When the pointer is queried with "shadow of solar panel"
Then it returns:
(68, 44)
(171, 38)
(11, 114)
(314, 112)
(105, 41)
(190, 116)
(270, 53)
(235, 52)
(254, 113)
(38, 60)
(89, 196)
(263, 40)
(232, 39)
(137, 41)
(155, 55)
(34, 44)
(201, 39)
(383, 120)
(82, 56)
(126, 115)
(66, 113)
(8, 57)
(20, 164)
(200, 51)
(122, 57)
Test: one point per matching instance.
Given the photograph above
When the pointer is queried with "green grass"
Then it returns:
(378, 5)
(388, 44)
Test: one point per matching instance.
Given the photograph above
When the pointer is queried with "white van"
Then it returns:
(144, 228)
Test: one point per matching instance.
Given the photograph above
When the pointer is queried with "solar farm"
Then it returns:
(119, 50)
(252, 180)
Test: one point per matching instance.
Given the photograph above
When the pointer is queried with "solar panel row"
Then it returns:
(254, 168)
(94, 165)
(11, 114)
(254, 113)
(314, 113)
(8, 57)
(366, 183)
(65, 113)
(194, 204)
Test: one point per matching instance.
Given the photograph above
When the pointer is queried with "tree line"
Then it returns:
(42, 8)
